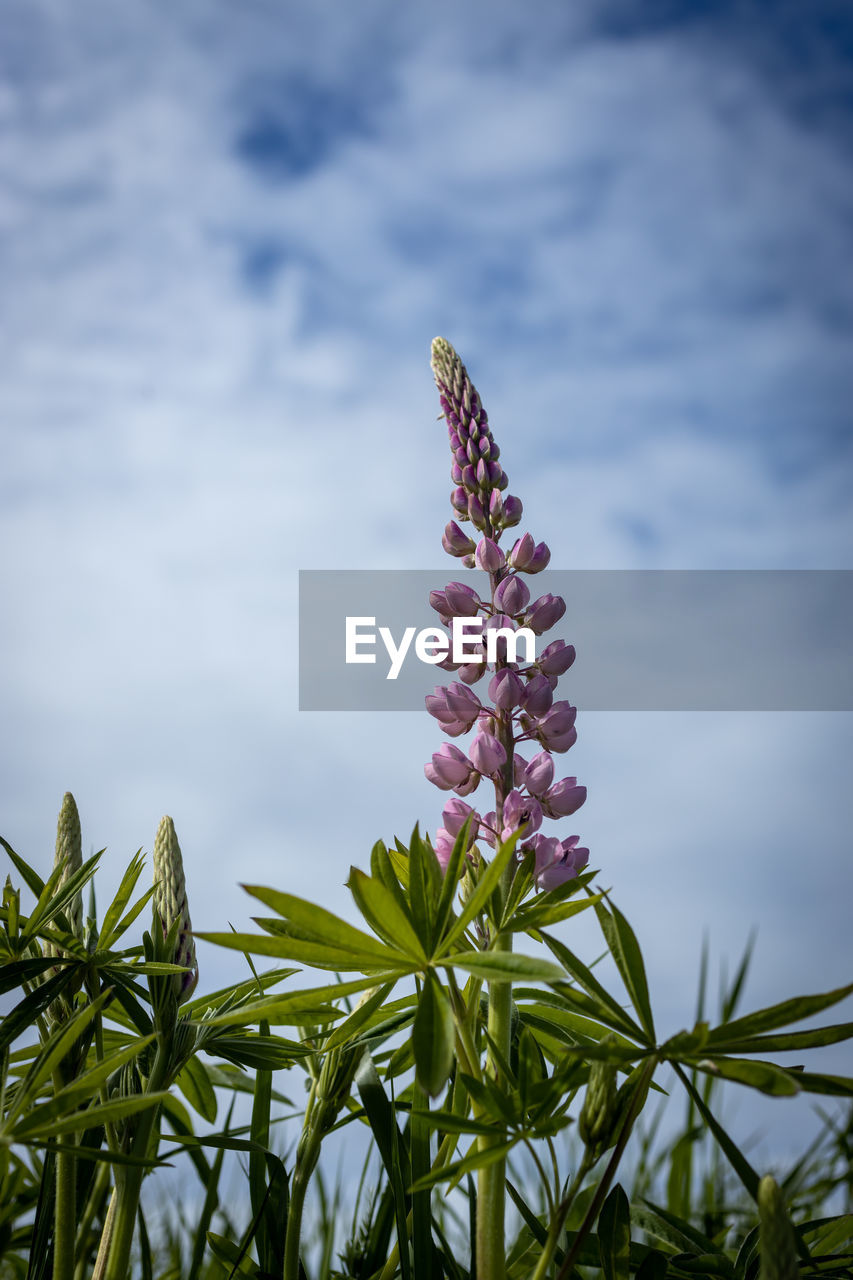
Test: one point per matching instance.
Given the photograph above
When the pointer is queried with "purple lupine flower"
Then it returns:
(455, 814)
(455, 707)
(444, 843)
(489, 556)
(512, 511)
(563, 799)
(556, 730)
(455, 541)
(556, 865)
(506, 689)
(512, 595)
(556, 658)
(521, 813)
(522, 552)
(538, 696)
(487, 753)
(521, 692)
(540, 559)
(544, 613)
(539, 774)
(462, 600)
(449, 768)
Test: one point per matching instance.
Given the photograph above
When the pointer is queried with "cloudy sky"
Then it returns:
(228, 234)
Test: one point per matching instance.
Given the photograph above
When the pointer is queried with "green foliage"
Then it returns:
(105, 1077)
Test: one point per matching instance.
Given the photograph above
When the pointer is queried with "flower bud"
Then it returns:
(556, 658)
(462, 600)
(513, 509)
(170, 904)
(540, 558)
(449, 768)
(455, 541)
(544, 613)
(459, 502)
(599, 1110)
(455, 814)
(778, 1243)
(506, 689)
(496, 508)
(69, 847)
(539, 774)
(538, 696)
(564, 799)
(476, 514)
(512, 595)
(556, 729)
(487, 753)
(489, 556)
(522, 552)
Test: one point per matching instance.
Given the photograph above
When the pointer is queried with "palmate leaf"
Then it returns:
(318, 955)
(295, 1008)
(482, 893)
(35, 1127)
(110, 929)
(382, 911)
(599, 1004)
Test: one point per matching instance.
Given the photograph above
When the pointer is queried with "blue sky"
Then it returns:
(227, 237)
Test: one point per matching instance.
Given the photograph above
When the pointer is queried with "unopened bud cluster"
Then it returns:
(170, 905)
(520, 706)
(777, 1240)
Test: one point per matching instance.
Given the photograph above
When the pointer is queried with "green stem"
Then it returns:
(491, 1182)
(129, 1179)
(65, 1219)
(559, 1218)
(306, 1160)
(94, 1203)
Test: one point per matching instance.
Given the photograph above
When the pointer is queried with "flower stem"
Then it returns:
(306, 1160)
(65, 1220)
(129, 1180)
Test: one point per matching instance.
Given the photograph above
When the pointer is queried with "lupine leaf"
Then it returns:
(787, 1041)
(628, 958)
(735, 1157)
(614, 1235)
(617, 1017)
(383, 913)
(777, 1015)
(485, 887)
(316, 923)
(194, 1085)
(764, 1076)
(30, 877)
(433, 1036)
(112, 915)
(507, 965)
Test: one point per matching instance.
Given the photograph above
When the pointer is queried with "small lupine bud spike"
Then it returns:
(170, 904)
(69, 846)
(778, 1242)
(599, 1111)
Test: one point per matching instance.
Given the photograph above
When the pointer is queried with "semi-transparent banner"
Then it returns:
(646, 640)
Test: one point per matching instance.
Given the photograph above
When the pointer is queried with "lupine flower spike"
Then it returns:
(170, 904)
(520, 706)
